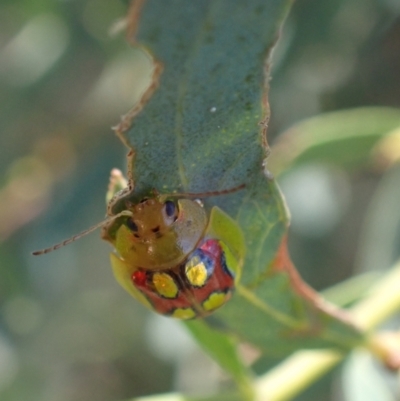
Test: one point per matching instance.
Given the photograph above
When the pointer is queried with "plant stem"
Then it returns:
(294, 374)
(380, 303)
(301, 369)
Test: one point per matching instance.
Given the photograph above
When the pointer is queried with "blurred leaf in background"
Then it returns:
(66, 330)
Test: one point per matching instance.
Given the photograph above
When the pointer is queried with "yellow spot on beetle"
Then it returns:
(165, 285)
(215, 300)
(184, 313)
(196, 272)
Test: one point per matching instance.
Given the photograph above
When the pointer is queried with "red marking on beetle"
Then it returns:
(212, 246)
(139, 278)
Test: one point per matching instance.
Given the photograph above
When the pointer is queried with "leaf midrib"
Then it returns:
(182, 89)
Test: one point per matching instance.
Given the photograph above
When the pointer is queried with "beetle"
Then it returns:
(170, 254)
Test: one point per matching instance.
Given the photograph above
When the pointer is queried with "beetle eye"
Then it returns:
(132, 225)
(170, 208)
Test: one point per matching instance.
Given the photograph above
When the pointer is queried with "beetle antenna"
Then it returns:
(83, 233)
(206, 194)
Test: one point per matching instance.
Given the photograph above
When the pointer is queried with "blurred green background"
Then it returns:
(67, 331)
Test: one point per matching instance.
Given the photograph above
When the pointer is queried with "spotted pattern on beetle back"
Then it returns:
(193, 289)
(196, 271)
(165, 285)
(215, 300)
(184, 313)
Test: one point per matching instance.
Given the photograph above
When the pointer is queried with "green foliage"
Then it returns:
(198, 132)
(345, 138)
(203, 130)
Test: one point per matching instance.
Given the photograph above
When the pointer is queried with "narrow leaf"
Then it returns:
(201, 127)
(223, 348)
(341, 137)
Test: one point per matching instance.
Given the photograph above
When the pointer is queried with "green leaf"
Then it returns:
(279, 313)
(223, 348)
(343, 138)
(200, 131)
(204, 130)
